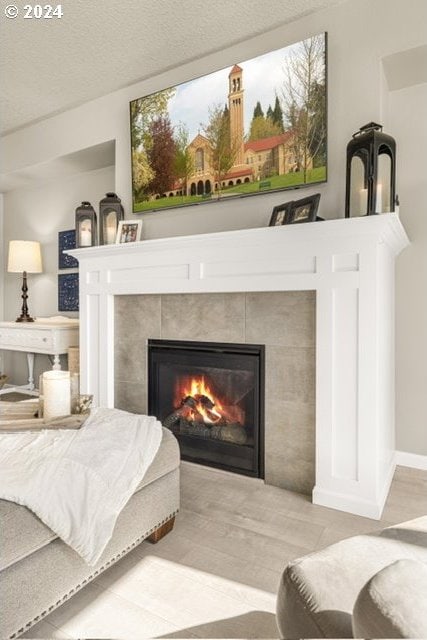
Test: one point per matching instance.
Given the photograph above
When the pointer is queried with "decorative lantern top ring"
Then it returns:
(371, 126)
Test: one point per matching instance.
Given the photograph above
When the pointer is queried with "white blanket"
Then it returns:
(77, 482)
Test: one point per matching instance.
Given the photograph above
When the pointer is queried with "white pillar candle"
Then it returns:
(111, 234)
(363, 201)
(85, 237)
(57, 394)
(379, 204)
(111, 227)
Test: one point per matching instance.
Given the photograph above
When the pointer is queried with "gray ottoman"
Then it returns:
(393, 604)
(317, 593)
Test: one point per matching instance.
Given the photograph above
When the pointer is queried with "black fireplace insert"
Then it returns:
(210, 395)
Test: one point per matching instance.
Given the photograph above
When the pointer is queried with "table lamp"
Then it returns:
(24, 257)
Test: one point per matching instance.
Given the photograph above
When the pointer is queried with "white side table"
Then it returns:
(47, 337)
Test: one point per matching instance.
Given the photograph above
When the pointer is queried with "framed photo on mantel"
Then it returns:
(296, 211)
(280, 214)
(304, 210)
(129, 231)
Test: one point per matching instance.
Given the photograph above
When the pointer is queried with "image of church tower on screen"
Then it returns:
(253, 160)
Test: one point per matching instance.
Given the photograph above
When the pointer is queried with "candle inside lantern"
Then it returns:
(86, 234)
(379, 203)
(363, 201)
(111, 227)
(111, 234)
(56, 392)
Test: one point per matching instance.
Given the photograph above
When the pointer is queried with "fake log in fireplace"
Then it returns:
(210, 395)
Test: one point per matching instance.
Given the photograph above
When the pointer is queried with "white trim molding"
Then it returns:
(414, 460)
(350, 265)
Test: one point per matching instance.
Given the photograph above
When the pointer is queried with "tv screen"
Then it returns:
(253, 128)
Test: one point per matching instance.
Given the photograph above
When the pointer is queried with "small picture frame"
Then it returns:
(304, 210)
(129, 231)
(280, 214)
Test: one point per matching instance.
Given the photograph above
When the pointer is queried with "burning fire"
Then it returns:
(206, 404)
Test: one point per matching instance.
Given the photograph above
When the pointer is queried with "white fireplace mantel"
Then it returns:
(350, 265)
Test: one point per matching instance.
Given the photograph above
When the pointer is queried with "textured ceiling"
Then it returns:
(99, 46)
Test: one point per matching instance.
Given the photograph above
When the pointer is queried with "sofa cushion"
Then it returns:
(393, 604)
(317, 592)
(22, 532)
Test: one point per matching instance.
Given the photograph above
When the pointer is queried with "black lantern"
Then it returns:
(110, 213)
(371, 172)
(85, 225)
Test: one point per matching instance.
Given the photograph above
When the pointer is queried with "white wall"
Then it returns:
(407, 118)
(360, 34)
(38, 213)
(2, 269)
(1, 260)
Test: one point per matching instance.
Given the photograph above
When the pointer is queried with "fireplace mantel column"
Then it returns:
(354, 399)
(350, 264)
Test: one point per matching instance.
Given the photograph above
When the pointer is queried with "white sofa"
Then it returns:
(368, 586)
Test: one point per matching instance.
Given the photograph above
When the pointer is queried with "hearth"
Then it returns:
(210, 395)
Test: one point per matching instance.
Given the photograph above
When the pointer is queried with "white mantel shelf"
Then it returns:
(386, 228)
(350, 265)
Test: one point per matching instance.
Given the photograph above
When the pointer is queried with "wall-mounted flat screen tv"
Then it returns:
(255, 127)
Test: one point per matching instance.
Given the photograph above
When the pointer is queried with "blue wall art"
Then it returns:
(68, 292)
(66, 241)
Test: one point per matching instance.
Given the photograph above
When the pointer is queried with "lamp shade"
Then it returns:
(24, 255)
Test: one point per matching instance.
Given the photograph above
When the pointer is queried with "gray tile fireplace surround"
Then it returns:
(283, 321)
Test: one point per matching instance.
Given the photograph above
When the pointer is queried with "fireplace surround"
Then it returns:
(348, 263)
(282, 321)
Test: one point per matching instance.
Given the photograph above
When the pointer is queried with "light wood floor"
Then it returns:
(216, 574)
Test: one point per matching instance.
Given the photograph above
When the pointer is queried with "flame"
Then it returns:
(200, 403)
(197, 386)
